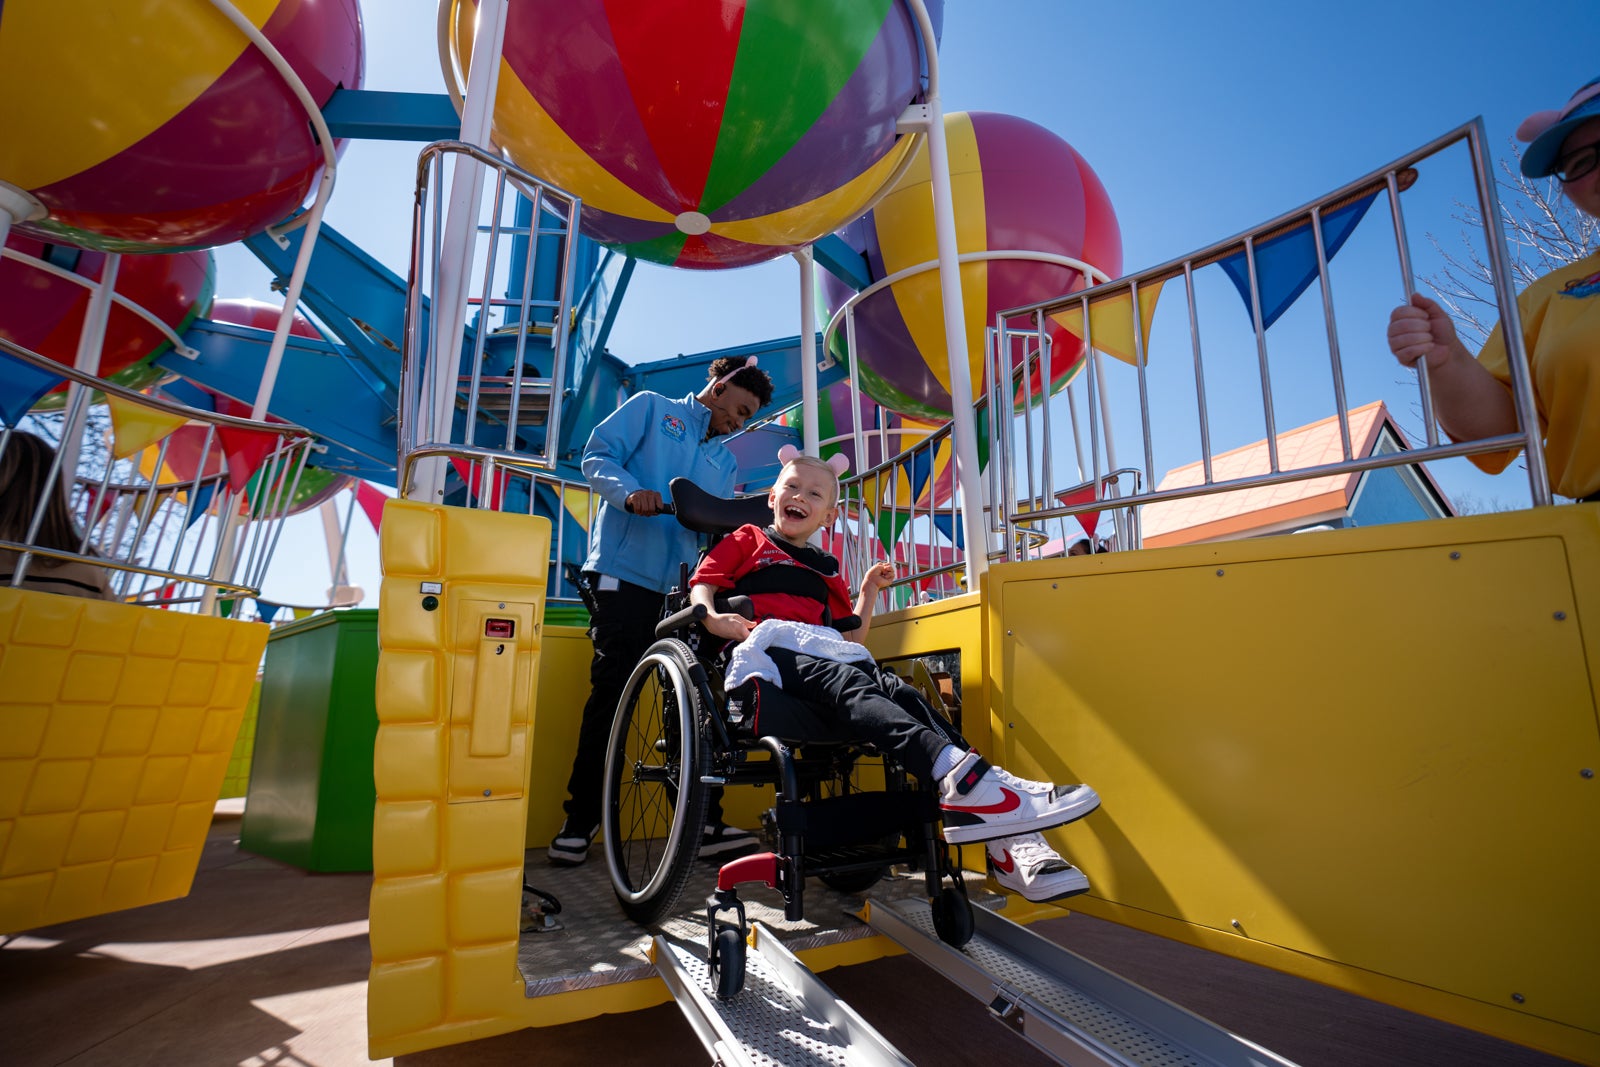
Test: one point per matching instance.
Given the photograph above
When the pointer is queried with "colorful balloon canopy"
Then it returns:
(43, 312)
(145, 126)
(706, 134)
(1016, 187)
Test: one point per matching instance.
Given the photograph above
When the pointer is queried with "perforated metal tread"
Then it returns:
(783, 1016)
(594, 944)
(1069, 1007)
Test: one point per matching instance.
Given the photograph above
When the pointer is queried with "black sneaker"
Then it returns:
(571, 847)
(722, 842)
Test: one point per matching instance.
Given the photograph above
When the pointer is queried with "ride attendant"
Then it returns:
(1560, 326)
(24, 468)
(635, 554)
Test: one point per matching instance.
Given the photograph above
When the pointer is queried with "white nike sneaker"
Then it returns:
(981, 803)
(1029, 867)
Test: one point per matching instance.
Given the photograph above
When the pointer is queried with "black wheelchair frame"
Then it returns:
(672, 739)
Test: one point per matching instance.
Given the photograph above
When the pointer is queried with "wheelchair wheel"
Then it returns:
(655, 803)
(730, 963)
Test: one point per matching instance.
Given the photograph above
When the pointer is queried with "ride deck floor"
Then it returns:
(265, 964)
(595, 943)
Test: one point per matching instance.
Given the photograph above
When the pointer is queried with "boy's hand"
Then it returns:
(878, 577)
(728, 625)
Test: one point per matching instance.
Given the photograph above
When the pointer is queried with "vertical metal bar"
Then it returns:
(1144, 385)
(1199, 372)
(855, 387)
(525, 325)
(560, 337)
(1403, 247)
(1510, 321)
(1333, 330)
(1261, 353)
(808, 359)
(1047, 383)
(481, 333)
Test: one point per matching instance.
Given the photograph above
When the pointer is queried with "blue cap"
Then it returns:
(1548, 130)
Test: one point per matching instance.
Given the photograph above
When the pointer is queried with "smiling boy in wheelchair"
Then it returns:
(800, 670)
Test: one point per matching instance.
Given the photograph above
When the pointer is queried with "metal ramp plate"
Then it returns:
(1072, 1009)
(784, 1015)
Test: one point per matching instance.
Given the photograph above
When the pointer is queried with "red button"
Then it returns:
(500, 628)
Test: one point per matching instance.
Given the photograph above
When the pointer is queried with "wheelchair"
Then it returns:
(673, 739)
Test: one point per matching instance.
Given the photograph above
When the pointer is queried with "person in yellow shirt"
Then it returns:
(1560, 326)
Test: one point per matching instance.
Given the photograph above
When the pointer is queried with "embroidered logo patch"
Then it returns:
(672, 426)
(1581, 287)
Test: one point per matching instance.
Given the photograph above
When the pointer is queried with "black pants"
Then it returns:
(826, 700)
(622, 628)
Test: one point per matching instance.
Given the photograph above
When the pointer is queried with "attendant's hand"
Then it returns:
(644, 502)
(1421, 329)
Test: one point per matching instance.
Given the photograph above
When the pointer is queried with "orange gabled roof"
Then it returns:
(1242, 511)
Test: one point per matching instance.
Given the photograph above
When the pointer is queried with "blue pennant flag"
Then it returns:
(21, 386)
(201, 501)
(951, 529)
(1286, 265)
(268, 609)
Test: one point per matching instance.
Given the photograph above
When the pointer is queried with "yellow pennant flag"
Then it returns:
(135, 427)
(576, 503)
(1111, 321)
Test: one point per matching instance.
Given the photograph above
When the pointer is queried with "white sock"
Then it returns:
(946, 761)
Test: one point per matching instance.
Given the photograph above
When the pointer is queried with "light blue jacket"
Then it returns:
(648, 441)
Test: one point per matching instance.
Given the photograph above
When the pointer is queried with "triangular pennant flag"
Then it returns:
(576, 504)
(1286, 264)
(1111, 321)
(202, 503)
(951, 529)
(246, 451)
(371, 500)
(268, 609)
(21, 386)
(301, 613)
(226, 607)
(135, 427)
(1089, 520)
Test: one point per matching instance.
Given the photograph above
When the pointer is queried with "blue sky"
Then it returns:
(1201, 119)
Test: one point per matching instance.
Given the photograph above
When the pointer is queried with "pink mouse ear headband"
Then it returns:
(750, 362)
(839, 462)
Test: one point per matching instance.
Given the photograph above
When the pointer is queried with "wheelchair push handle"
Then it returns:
(667, 508)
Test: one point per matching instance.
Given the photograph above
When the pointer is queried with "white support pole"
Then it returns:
(963, 429)
(810, 437)
(451, 278)
(91, 340)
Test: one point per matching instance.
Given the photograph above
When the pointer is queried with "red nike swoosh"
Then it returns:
(1007, 866)
(1011, 803)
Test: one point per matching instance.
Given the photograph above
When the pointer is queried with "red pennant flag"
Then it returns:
(246, 451)
(371, 501)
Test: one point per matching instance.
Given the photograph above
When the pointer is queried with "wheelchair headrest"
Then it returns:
(703, 513)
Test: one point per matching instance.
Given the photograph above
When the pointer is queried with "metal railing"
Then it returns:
(1026, 428)
(163, 540)
(499, 481)
(486, 408)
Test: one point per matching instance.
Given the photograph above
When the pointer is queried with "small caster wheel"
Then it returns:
(952, 917)
(730, 949)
